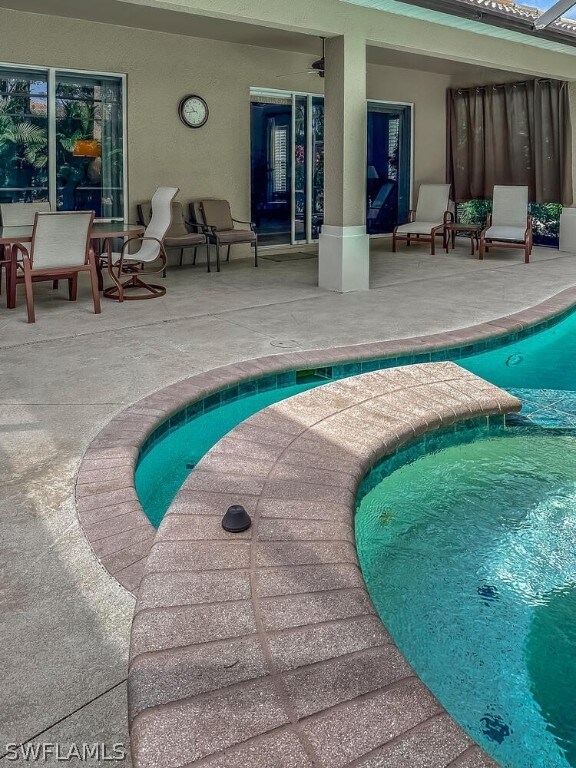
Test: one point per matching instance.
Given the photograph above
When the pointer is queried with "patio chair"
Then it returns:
(179, 235)
(220, 227)
(509, 225)
(150, 259)
(60, 249)
(429, 219)
(19, 215)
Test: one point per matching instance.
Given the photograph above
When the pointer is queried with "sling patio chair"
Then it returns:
(19, 215)
(150, 258)
(429, 219)
(60, 250)
(220, 227)
(509, 225)
(182, 234)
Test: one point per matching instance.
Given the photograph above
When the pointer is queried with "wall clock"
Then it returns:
(193, 111)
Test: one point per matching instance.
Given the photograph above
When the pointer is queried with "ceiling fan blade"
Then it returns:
(302, 72)
(553, 13)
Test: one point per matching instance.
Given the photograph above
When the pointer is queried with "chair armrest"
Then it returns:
(488, 220)
(250, 223)
(140, 239)
(448, 217)
(201, 228)
(22, 248)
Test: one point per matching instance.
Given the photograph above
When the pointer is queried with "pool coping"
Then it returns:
(107, 504)
(263, 648)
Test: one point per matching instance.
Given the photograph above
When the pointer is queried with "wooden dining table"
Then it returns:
(102, 232)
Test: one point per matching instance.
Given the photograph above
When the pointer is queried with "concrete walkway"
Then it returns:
(65, 622)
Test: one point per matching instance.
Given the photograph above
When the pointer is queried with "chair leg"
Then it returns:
(208, 257)
(181, 257)
(73, 287)
(481, 249)
(255, 253)
(54, 284)
(527, 253)
(432, 243)
(228, 254)
(217, 258)
(194, 257)
(94, 282)
(28, 292)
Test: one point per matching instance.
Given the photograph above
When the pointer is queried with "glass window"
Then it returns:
(89, 151)
(81, 167)
(23, 136)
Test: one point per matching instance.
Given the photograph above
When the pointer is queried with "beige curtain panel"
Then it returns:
(518, 133)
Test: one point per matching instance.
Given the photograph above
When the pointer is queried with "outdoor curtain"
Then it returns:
(513, 134)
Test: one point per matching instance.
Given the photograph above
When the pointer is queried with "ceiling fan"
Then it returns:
(317, 67)
(553, 13)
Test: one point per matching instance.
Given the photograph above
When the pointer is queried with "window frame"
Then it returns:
(51, 73)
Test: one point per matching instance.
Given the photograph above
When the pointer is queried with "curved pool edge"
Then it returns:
(107, 504)
(253, 648)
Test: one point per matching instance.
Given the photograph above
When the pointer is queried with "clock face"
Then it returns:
(193, 111)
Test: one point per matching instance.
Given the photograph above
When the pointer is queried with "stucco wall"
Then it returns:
(161, 68)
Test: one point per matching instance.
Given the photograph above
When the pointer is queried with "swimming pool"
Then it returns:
(540, 361)
(469, 554)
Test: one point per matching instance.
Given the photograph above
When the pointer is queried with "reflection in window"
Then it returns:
(23, 136)
(83, 167)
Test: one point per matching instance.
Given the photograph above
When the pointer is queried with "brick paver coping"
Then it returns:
(262, 649)
(108, 507)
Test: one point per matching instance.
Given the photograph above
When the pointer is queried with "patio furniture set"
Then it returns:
(508, 226)
(37, 244)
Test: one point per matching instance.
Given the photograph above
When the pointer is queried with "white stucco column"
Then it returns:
(344, 256)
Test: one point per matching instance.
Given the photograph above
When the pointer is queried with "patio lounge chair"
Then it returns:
(220, 227)
(60, 249)
(429, 219)
(179, 235)
(509, 225)
(148, 260)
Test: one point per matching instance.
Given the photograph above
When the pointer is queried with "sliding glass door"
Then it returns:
(62, 139)
(287, 139)
(287, 135)
(389, 161)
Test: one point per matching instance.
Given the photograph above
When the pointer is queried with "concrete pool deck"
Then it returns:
(66, 622)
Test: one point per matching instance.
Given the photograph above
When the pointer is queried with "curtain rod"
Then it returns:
(505, 85)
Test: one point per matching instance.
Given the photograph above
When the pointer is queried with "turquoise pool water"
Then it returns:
(469, 554)
(540, 362)
(545, 360)
(162, 471)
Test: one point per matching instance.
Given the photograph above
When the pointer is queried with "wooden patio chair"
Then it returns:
(429, 219)
(509, 225)
(221, 228)
(128, 270)
(60, 250)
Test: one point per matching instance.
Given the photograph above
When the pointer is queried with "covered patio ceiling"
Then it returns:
(194, 25)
